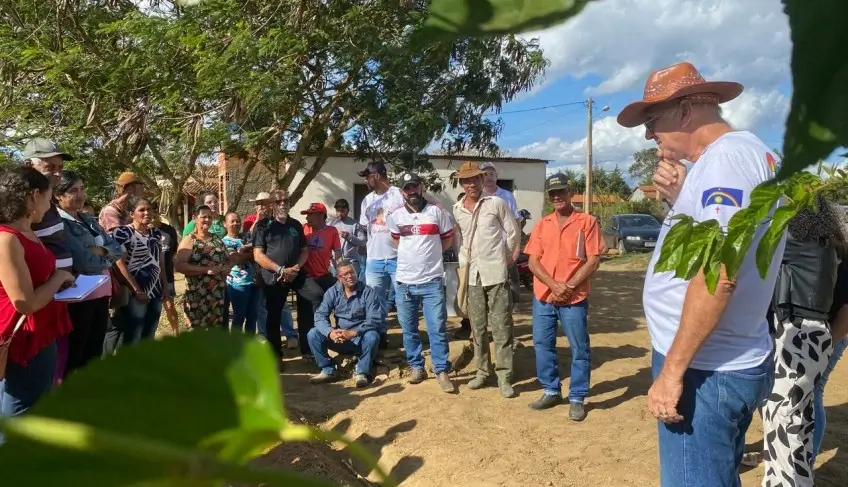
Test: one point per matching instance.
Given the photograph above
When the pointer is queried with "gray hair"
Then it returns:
(345, 263)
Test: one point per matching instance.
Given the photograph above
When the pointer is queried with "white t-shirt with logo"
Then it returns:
(375, 210)
(718, 186)
(419, 251)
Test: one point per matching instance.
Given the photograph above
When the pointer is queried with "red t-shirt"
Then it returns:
(248, 222)
(321, 244)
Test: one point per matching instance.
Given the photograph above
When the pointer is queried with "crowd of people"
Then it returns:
(755, 344)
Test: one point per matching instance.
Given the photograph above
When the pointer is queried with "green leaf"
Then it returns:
(712, 262)
(740, 234)
(671, 252)
(174, 392)
(816, 124)
(461, 18)
(696, 246)
(763, 199)
(184, 467)
(772, 237)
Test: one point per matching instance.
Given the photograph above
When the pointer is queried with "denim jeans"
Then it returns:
(380, 276)
(573, 320)
(140, 320)
(24, 385)
(244, 300)
(286, 321)
(705, 449)
(364, 347)
(431, 296)
(820, 414)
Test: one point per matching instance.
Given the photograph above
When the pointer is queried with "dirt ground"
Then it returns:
(477, 439)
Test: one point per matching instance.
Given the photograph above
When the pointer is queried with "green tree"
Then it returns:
(303, 78)
(644, 164)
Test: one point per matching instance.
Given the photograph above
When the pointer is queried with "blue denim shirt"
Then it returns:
(361, 311)
(79, 235)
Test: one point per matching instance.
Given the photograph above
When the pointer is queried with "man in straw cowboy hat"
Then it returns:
(711, 352)
(482, 221)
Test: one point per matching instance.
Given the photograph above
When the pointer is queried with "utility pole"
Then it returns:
(587, 205)
(587, 202)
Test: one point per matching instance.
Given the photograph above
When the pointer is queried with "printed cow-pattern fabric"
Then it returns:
(802, 350)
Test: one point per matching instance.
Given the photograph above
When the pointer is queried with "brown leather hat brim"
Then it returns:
(635, 114)
(470, 174)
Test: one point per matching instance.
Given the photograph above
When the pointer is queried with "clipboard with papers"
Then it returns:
(83, 287)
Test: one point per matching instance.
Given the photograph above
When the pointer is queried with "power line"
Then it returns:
(535, 109)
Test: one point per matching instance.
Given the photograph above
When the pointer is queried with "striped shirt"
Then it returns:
(51, 231)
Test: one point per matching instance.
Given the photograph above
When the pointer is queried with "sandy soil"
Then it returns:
(476, 439)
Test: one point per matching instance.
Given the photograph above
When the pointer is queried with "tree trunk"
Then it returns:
(320, 160)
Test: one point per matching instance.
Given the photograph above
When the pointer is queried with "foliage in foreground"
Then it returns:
(185, 411)
(692, 246)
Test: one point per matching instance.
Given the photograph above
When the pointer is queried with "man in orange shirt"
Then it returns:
(324, 244)
(564, 250)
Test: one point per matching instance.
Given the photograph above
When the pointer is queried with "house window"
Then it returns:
(360, 191)
(507, 184)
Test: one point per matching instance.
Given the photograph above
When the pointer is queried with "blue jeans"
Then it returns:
(245, 302)
(431, 296)
(380, 276)
(705, 449)
(573, 319)
(364, 347)
(24, 385)
(820, 415)
(140, 320)
(286, 321)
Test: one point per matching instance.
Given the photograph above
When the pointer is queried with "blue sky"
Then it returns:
(609, 50)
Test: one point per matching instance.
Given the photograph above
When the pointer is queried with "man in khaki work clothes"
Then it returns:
(483, 221)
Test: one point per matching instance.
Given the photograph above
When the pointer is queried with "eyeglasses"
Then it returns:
(649, 124)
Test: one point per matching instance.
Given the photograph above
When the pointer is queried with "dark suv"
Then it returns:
(631, 232)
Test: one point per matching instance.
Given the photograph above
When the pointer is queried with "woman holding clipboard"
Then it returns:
(30, 320)
(94, 252)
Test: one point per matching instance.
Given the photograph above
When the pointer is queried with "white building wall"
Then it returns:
(338, 176)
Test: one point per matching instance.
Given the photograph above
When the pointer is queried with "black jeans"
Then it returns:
(309, 297)
(269, 328)
(90, 320)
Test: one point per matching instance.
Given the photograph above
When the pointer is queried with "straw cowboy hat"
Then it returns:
(469, 170)
(674, 82)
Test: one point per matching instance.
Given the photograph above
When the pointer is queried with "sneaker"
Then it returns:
(418, 376)
(478, 382)
(362, 381)
(445, 383)
(507, 392)
(292, 343)
(576, 411)
(323, 378)
(307, 357)
(547, 401)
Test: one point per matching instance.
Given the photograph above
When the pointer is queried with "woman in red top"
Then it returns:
(28, 281)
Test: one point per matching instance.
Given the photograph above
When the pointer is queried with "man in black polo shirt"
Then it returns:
(279, 247)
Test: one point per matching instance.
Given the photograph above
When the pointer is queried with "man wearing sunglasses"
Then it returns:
(712, 351)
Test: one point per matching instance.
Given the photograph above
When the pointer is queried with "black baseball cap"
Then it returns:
(556, 182)
(373, 168)
(342, 203)
(408, 178)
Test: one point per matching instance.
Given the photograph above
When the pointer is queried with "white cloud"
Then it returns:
(623, 40)
(614, 145)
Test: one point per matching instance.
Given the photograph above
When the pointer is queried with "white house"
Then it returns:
(338, 179)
